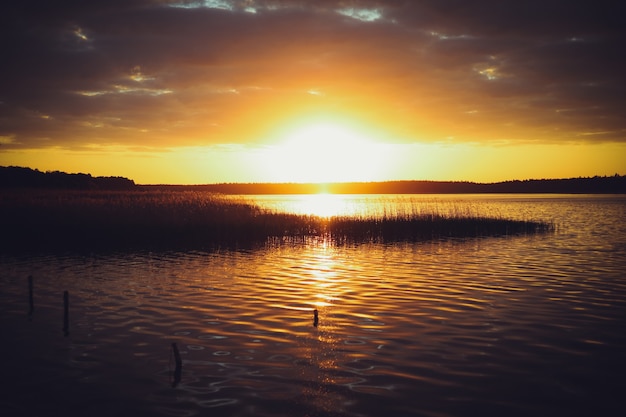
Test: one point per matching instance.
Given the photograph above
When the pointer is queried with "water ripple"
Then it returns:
(525, 325)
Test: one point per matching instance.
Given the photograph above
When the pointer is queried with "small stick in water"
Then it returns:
(179, 365)
(30, 296)
(315, 318)
(66, 313)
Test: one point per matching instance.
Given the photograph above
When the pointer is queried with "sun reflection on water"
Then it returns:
(323, 278)
(322, 350)
(322, 204)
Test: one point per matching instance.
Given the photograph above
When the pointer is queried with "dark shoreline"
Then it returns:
(594, 185)
(26, 178)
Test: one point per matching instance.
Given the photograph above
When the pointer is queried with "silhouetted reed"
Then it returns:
(425, 227)
(155, 220)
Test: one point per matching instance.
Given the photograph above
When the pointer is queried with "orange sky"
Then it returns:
(303, 91)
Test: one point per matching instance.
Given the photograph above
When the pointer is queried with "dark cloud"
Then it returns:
(143, 72)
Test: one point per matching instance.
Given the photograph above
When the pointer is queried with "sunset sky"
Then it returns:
(177, 91)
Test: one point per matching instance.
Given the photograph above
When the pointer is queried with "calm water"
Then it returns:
(529, 325)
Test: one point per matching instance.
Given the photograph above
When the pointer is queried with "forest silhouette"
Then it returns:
(20, 177)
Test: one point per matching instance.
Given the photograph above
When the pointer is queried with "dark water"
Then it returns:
(528, 325)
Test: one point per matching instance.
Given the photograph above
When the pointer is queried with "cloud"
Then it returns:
(187, 73)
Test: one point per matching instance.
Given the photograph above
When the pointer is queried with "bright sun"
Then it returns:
(323, 152)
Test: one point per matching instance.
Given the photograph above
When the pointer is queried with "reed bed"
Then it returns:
(178, 220)
(425, 227)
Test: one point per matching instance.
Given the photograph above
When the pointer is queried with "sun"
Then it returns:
(324, 152)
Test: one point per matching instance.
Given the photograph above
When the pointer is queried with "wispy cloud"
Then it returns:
(160, 72)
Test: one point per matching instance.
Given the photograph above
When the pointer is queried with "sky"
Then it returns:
(212, 91)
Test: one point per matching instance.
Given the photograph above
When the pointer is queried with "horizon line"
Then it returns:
(616, 175)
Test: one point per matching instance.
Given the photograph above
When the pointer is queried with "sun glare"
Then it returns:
(325, 152)
(322, 204)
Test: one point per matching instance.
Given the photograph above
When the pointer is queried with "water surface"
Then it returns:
(527, 325)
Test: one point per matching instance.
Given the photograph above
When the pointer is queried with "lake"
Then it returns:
(518, 325)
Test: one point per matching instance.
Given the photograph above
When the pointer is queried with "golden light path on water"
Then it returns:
(380, 205)
(323, 205)
(328, 205)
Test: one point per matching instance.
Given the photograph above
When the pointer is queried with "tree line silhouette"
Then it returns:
(592, 185)
(18, 177)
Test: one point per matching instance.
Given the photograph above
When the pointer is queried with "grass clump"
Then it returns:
(179, 220)
(424, 227)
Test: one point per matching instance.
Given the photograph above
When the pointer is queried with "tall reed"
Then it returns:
(177, 220)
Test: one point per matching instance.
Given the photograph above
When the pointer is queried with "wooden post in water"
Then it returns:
(315, 318)
(178, 370)
(66, 313)
(30, 296)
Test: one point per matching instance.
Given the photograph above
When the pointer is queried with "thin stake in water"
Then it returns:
(178, 370)
(66, 313)
(30, 296)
